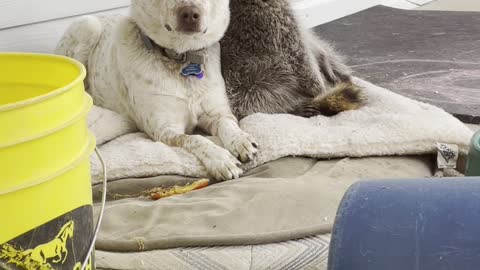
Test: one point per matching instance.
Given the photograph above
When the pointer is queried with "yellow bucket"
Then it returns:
(45, 188)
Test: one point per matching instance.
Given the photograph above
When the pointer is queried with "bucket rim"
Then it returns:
(84, 154)
(88, 103)
(56, 92)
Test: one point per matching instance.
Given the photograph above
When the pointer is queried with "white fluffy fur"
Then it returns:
(125, 77)
(389, 124)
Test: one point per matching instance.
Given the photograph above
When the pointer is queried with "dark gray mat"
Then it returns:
(431, 56)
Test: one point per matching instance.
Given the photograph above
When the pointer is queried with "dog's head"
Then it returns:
(182, 25)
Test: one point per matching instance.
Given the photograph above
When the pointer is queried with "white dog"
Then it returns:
(161, 67)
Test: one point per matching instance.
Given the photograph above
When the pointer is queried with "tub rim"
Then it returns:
(55, 92)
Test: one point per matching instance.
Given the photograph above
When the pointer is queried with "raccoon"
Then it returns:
(271, 64)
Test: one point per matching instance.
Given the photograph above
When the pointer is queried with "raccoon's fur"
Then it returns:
(272, 65)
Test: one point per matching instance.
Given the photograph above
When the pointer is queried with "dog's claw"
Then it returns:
(228, 172)
(244, 146)
(221, 164)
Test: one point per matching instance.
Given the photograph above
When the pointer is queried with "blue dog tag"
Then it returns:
(193, 70)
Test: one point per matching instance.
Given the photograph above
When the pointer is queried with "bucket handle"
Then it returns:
(102, 209)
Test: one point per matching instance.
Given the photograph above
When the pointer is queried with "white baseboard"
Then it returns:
(316, 12)
(42, 37)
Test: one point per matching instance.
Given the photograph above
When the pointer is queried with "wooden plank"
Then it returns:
(420, 2)
(22, 12)
(401, 4)
(40, 37)
(316, 12)
(43, 37)
(453, 5)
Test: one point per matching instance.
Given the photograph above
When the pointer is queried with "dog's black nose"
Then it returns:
(189, 19)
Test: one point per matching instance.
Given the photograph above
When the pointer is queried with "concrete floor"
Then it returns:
(453, 5)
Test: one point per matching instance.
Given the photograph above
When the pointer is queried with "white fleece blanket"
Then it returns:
(389, 124)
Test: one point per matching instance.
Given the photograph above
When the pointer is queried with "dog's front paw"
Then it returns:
(222, 165)
(243, 146)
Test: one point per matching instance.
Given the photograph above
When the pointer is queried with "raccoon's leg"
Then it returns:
(330, 62)
(343, 95)
(339, 97)
(311, 80)
(80, 39)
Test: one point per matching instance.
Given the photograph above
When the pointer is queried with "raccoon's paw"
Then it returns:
(344, 97)
(307, 110)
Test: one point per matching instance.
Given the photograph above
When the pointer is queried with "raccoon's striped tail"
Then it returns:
(344, 97)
